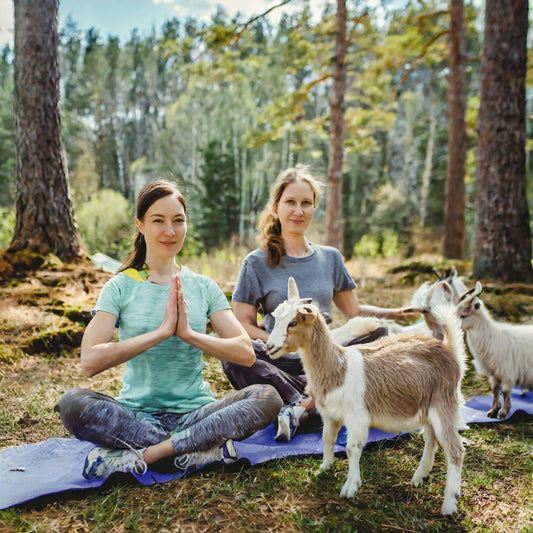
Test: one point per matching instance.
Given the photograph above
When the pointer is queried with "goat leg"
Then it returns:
(447, 435)
(506, 391)
(357, 432)
(493, 413)
(329, 435)
(428, 457)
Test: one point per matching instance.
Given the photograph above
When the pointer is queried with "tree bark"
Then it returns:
(503, 236)
(334, 229)
(44, 219)
(454, 204)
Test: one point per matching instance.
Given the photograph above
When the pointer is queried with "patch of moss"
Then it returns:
(6, 269)
(55, 342)
(52, 262)
(9, 355)
(76, 314)
(73, 313)
(417, 267)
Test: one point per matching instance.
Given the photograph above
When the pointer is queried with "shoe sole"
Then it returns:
(230, 450)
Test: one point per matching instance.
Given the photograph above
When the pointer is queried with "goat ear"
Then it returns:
(292, 291)
(307, 313)
(478, 289)
(465, 295)
(447, 291)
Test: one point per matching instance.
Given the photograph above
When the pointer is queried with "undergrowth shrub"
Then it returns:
(7, 226)
(383, 245)
(105, 223)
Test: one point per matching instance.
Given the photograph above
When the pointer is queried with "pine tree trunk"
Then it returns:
(336, 142)
(454, 204)
(44, 219)
(503, 236)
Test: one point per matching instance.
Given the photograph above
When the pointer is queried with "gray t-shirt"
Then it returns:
(318, 276)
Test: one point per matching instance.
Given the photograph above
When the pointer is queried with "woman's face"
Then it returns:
(296, 207)
(164, 227)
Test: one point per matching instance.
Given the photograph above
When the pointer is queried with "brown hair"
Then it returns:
(270, 239)
(149, 195)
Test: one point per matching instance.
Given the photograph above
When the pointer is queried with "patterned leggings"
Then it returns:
(101, 419)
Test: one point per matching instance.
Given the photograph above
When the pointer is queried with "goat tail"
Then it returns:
(453, 334)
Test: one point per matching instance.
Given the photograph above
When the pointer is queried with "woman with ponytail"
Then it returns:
(165, 414)
(285, 251)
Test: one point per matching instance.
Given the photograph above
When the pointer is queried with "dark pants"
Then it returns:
(101, 419)
(285, 374)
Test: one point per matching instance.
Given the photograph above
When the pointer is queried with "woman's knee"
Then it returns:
(75, 403)
(267, 398)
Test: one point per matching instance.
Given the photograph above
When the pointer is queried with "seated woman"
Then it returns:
(165, 409)
(261, 286)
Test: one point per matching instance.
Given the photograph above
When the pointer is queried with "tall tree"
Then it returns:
(503, 235)
(44, 219)
(454, 204)
(218, 220)
(336, 136)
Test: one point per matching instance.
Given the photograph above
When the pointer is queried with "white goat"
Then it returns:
(426, 297)
(396, 384)
(501, 351)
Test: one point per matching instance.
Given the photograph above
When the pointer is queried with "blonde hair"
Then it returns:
(270, 239)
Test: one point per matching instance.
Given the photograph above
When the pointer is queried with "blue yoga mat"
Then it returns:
(33, 470)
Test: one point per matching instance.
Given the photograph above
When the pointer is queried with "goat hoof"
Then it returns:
(492, 414)
(418, 480)
(349, 490)
(502, 415)
(449, 508)
(323, 467)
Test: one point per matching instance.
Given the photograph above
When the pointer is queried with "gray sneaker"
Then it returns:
(102, 462)
(224, 453)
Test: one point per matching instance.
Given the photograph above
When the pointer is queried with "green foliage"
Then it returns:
(105, 223)
(218, 219)
(381, 245)
(7, 129)
(7, 225)
(226, 105)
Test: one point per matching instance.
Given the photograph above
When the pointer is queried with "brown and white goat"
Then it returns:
(500, 350)
(396, 384)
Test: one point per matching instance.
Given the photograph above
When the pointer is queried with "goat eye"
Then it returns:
(477, 306)
(292, 324)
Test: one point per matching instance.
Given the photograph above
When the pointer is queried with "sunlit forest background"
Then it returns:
(223, 106)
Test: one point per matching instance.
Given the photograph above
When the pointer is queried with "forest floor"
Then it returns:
(42, 319)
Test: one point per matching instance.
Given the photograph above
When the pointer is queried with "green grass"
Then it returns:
(287, 495)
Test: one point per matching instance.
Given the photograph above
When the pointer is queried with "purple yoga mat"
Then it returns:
(33, 470)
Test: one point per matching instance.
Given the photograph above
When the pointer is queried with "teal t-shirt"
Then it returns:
(168, 376)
